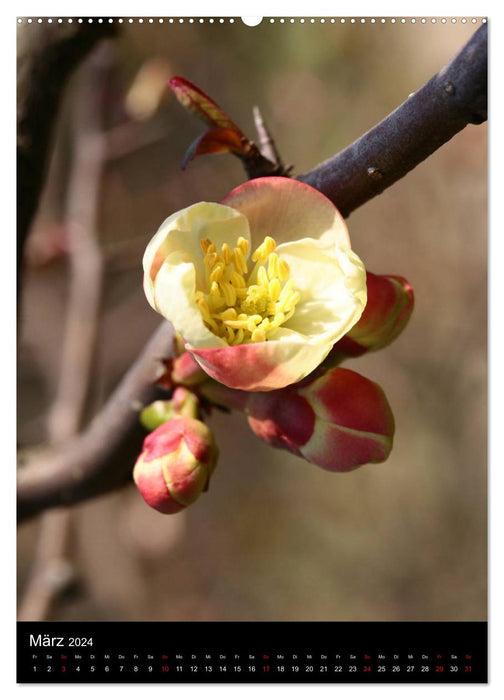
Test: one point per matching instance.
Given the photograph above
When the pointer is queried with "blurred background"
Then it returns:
(275, 538)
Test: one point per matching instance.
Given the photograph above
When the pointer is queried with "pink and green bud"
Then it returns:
(389, 306)
(175, 465)
(183, 403)
(156, 413)
(338, 421)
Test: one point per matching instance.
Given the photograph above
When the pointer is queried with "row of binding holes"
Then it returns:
(120, 20)
(383, 20)
(231, 20)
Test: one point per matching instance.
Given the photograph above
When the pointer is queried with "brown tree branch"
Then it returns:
(101, 459)
(452, 99)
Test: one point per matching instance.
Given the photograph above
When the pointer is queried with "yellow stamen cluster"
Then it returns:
(241, 306)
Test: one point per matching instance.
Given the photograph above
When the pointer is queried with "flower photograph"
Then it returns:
(252, 300)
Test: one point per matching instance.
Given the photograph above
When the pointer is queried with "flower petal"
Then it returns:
(332, 284)
(183, 231)
(262, 366)
(287, 210)
(174, 291)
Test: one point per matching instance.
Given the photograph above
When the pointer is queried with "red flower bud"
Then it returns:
(389, 306)
(338, 421)
(175, 464)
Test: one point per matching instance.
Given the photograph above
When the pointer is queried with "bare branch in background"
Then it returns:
(86, 264)
(48, 55)
(52, 570)
(102, 458)
(452, 99)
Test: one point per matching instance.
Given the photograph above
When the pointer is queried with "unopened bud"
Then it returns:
(155, 414)
(176, 463)
(186, 371)
(338, 421)
(183, 403)
(389, 306)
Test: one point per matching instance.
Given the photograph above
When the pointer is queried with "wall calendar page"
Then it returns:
(252, 298)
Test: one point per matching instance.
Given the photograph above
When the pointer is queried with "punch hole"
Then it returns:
(252, 21)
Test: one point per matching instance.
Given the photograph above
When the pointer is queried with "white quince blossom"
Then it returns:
(260, 286)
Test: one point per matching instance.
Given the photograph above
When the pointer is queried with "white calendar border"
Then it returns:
(223, 8)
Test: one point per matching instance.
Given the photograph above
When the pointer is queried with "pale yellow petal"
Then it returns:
(174, 296)
(183, 231)
(332, 285)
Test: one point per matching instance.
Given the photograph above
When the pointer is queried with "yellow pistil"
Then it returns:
(241, 306)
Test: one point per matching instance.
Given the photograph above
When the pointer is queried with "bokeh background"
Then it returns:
(276, 538)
